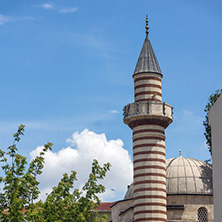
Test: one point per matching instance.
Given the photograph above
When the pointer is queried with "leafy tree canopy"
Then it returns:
(211, 100)
(19, 190)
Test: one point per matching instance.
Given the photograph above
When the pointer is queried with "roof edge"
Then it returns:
(121, 201)
(148, 72)
(189, 194)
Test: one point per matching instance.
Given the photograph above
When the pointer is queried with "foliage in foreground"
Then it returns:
(211, 100)
(20, 190)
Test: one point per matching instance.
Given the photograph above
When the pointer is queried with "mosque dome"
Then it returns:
(185, 176)
(129, 192)
(188, 176)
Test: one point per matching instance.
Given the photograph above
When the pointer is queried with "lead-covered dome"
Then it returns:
(188, 176)
(185, 176)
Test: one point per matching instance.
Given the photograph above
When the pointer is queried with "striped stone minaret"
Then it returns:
(148, 117)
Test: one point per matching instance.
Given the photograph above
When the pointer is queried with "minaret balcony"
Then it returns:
(148, 110)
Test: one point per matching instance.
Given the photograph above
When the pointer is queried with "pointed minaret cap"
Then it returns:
(147, 61)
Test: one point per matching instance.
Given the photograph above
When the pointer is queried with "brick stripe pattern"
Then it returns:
(149, 173)
(147, 87)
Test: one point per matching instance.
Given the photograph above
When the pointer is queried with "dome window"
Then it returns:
(202, 214)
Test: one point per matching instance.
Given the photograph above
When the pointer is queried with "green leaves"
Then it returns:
(20, 186)
(211, 100)
(64, 203)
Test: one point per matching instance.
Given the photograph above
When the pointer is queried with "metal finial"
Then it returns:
(147, 27)
(180, 153)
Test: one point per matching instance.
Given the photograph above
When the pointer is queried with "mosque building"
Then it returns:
(178, 189)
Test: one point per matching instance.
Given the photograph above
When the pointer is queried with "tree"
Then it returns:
(211, 100)
(20, 186)
(64, 203)
(77, 206)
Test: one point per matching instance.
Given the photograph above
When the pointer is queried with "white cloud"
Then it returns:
(204, 146)
(4, 19)
(114, 111)
(187, 113)
(47, 6)
(25, 18)
(84, 147)
(68, 10)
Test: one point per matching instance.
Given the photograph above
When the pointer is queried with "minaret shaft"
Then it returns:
(148, 119)
(149, 173)
(147, 87)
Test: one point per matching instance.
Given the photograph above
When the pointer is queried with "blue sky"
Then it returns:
(67, 66)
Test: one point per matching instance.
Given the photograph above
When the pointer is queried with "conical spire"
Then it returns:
(147, 61)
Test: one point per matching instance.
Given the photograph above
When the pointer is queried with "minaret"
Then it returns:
(148, 117)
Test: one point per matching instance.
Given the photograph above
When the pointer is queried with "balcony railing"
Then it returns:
(148, 108)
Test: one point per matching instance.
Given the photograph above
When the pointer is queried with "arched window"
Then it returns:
(202, 214)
